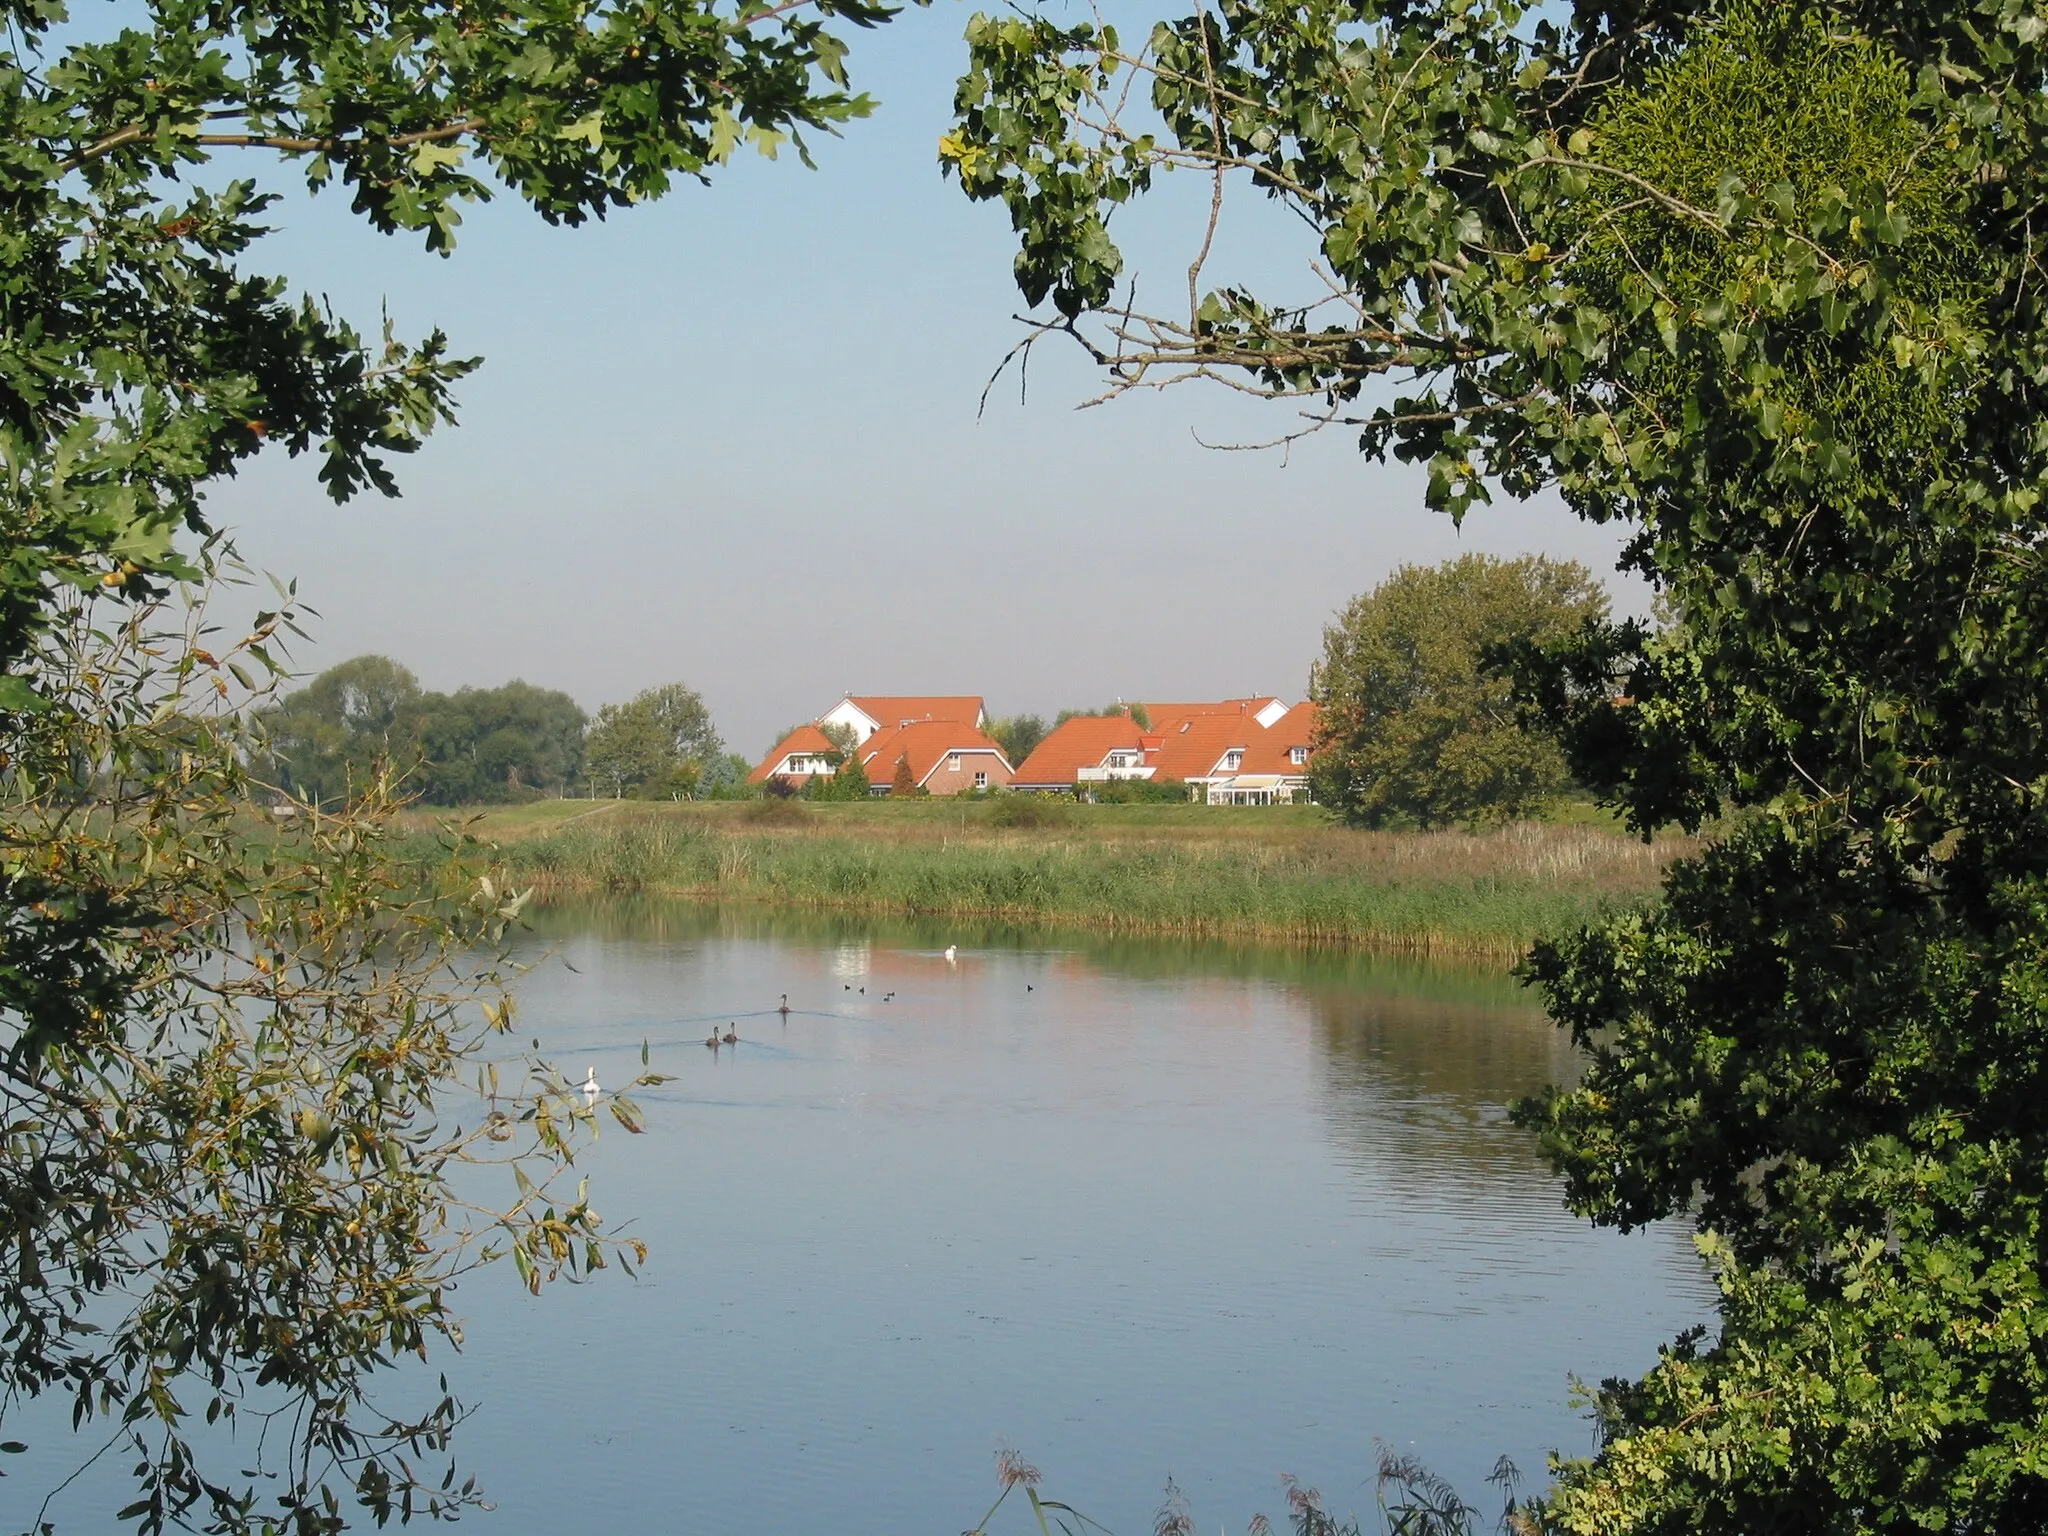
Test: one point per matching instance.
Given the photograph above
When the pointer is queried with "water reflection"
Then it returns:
(1137, 1208)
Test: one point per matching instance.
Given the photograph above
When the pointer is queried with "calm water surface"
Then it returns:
(1137, 1210)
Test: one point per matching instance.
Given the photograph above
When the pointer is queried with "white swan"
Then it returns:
(952, 953)
(590, 1088)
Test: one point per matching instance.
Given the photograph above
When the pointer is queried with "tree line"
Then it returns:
(326, 740)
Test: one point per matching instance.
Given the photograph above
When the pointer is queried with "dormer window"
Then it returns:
(1231, 759)
(1297, 755)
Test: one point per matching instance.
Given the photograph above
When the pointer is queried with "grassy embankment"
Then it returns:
(1193, 871)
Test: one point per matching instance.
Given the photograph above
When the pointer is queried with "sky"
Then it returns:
(731, 439)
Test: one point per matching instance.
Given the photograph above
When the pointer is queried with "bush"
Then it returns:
(1141, 792)
(1029, 811)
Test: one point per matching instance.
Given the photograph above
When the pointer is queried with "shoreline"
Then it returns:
(1234, 877)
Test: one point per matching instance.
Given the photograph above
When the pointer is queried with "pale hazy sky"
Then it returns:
(730, 438)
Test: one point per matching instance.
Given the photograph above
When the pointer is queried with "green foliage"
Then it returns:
(512, 742)
(725, 778)
(1137, 712)
(230, 1045)
(1017, 735)
(654, 747)
(1112, 870)
(226, 1068)
(1761, 284)
(1139, 792)
(1415, 726)
(847, 781)
(474, 746)
(343, 729)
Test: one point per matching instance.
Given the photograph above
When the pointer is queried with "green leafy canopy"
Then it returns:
(1762, 284)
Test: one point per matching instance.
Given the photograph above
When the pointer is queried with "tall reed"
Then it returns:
(1451, 892)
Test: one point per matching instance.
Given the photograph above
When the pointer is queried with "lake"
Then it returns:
(1137, 1210)
(1134, 1209)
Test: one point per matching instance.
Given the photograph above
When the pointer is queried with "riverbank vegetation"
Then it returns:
(1269, 874)
(1759, 287)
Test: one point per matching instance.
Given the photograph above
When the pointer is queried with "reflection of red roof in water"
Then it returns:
(926, 744)
(1080, 742)
(805, 738)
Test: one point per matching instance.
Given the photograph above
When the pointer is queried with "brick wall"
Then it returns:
(953, 781)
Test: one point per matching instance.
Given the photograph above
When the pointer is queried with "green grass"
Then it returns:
(1258, 873)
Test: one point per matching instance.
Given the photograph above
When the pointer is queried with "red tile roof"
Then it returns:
(1165, 715)
(1193, 746)
(1272, 750)
(1080, 742)
(805, 738)
(890, 710)
(926, 743)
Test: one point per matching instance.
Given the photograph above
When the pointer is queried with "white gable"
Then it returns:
(851, 715)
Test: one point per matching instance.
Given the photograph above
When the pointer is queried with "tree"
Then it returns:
(653, 747)
(473, 746)
(242, 1184)
(1761, 284)
(1413, 725)
(328, 736)
(1137, 712)
(848, 780)
(1018, 736)
(903, 783)
(479, 745)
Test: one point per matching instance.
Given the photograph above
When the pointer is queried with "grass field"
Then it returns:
(1269, 873)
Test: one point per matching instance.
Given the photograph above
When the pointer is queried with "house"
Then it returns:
(1273, 768)
(945, 757)
(865, 714)
(1265, 709)
(1085, 749)
(804, 753)
(807, 752)
(1251, 751)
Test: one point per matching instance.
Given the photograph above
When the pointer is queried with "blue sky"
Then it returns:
(730, 438)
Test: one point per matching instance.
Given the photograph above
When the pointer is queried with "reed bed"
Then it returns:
(1469, 893)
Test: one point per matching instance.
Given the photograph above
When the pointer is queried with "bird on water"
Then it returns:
(732, 1036)
(590, 1088)
(952, 953)
(712, 1038)
(784, 1009)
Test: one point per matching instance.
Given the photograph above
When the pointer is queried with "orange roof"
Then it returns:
(1273, 749)
(1164, 715)
(1194, 745)
(889, 710)
(1081, 741)
(805, 738)
(926, 743)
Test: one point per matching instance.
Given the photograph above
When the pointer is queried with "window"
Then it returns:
(953, 761)
(1231, 759)
(981, 781)
(1297, 755)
